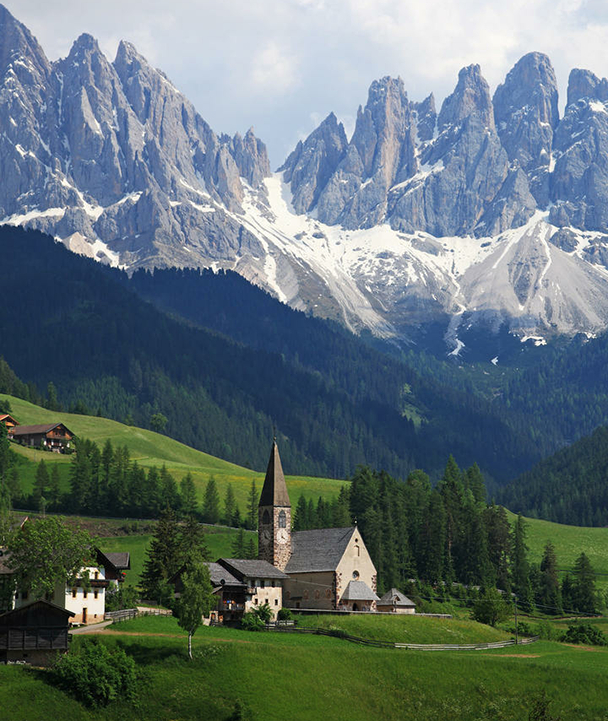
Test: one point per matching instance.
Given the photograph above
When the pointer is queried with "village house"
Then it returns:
(34, 633)
(327, 568)
(86, 599)
(53, 436)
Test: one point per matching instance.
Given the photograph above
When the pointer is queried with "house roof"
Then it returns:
(27, 609)
(274, 490)
(251, 568)
(358, 591)
(221, 576)
(120, 559)
(318, 550)
(34, 430)
(4, 417)
(395, 598)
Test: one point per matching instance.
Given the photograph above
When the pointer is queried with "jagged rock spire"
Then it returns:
(274, 491)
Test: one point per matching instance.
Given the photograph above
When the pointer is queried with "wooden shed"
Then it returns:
(34, 633)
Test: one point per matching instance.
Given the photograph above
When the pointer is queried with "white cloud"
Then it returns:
(273, 69)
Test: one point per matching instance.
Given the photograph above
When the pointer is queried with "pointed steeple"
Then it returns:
(274, 491)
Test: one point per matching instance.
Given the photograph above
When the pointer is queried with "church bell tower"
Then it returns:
(274, 515)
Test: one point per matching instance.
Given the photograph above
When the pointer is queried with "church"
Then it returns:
(326, 568)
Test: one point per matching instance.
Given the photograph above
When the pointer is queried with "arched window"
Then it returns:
(328, 593)
(306, 595)
(282, 519)
(288, 595)
(266, 517)
(317, 594)
(357, 551)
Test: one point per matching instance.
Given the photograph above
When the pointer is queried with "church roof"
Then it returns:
(318, 550)
(246, 568)
(358, 591)
(395, 597)
(274, 491)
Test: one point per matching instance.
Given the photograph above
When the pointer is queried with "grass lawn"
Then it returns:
(289, 676)
(153, 449)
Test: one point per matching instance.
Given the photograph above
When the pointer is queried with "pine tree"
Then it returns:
(169, 495)
(238, 545)
(499, 544)
(474, 481)
(163, 557)
(41, 482)
(54, 490)
(189, 504)
(300, 520)
(229, 505)
(252, 507)
(251, 549)
(548, 594)
(193, 540)
(520, 569)
(583, 585)
(211, 502)
(51, 398)
(432, 540)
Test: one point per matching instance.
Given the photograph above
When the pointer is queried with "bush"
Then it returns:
(491, 608)
(96, 675)
(285, 615)
(585, 633)
(252, 622)
(119, 598)
(264, 613)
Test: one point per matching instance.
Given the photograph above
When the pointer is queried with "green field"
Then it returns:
(279, 675)
(153, 449)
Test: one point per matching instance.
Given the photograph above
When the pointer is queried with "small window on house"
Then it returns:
(273, 583)
(263, 584)
(96, 593)
(84, 593)
(255, 600)
(355, 575)
(276, 601)
(74, 592)
(96, 575)
(306, 595)
(282, 519)
(266, 518)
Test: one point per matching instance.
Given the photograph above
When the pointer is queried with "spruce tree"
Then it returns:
(163, 557)
(520, 569)
(188, 502)
(300, 520)
(238, 545)
(54, 490)
(229, 505)
(252, 507)
(583, 585)
(41, 482)
(211, 502)
(548, 595)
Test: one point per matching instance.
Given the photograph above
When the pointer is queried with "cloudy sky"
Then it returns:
(283, 65)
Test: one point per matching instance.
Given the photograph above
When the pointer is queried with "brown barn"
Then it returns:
(34, 633)
(54, 436)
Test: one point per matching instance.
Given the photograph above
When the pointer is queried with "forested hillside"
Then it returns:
(569, 487)
(335, 402)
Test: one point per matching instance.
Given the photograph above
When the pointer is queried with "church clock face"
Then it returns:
(265, 535)
(282, 535)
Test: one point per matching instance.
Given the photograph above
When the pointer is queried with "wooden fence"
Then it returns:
(336, 633)
(129, 613)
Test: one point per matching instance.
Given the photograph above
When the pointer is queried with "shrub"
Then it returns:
(252, 622)
(585, 633)
(285, 614)
(96, 675)
(264, 613)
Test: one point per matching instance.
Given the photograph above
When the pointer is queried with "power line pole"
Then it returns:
(516, 628)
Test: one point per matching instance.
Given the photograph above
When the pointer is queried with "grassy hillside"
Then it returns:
(154, 449)
(278, 676)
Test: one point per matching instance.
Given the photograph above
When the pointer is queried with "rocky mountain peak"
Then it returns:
(20, 52)
(585, 84)
(471, 97)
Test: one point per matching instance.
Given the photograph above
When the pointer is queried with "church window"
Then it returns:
(306, 595)
(282, 519)
(357, 551)
(276, 601)
(263, 584)
(317, 594)
(328, 593)
(266, 517)
(356, 575)
(288, 595)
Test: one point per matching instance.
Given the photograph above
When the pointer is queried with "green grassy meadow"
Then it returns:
(302, 677)
(153, 449)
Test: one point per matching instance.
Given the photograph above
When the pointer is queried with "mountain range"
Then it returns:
(491, 210)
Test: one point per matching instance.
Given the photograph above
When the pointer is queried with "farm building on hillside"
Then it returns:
(34, 633)
(8, 421)
(53, 436)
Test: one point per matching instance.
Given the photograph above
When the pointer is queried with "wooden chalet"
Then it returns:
(8, 421)
(34, 633)
(53, 436)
